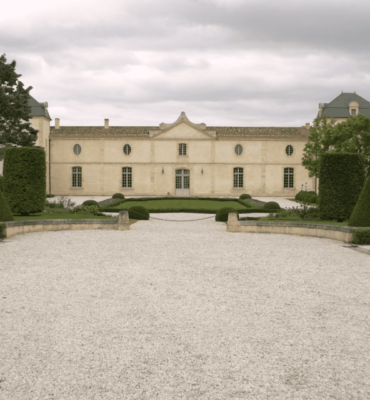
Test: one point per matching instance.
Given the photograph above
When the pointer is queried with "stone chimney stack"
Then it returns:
(106, 123)
(57, 121)
(308, 125)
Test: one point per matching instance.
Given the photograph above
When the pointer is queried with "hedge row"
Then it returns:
(2, 231)
(361, 236)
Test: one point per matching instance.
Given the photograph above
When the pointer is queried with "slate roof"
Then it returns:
(37, 109)
(339, 107)
(221, 131)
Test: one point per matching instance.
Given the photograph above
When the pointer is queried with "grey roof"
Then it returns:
(38, 109)
(339, 107)
(221, 131)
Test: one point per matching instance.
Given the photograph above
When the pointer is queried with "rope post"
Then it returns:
(123, 221)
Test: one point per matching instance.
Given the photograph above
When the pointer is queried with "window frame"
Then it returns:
(127, 177)
(238, 177)
(241, 149)
(79, 147)
(286, 150)
(288, 179)
(182, 149)
(76, 177)
(129, 147)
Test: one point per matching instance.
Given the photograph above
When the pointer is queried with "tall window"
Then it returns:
(126, 177)
(238, 177)
(288, 177)
(353, 111)
(182, 149)
(76, 176)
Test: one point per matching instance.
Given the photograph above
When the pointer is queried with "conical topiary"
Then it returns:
(361, 213)
(5, 213)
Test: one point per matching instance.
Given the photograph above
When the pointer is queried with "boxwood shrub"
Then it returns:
(271, 205)
(222, 214)
(138, 212)
(245, 196)
(2, 231)
(90, 203)
(5, 212)
(1, 183)
(361, 236)
(118, 196)
(361, 213)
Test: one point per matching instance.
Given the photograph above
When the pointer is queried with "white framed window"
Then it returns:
(353, 111)
(182, 149)
(238, 149)
(288, 177)
(238, 177)
(289, 150)
(127, 149)
(126, 177)
(77, 149)
(76, 176)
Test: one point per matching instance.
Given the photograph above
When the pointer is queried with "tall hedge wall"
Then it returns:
(24, 182)
(342, 177)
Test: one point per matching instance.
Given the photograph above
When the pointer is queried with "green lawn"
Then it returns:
(182, 203)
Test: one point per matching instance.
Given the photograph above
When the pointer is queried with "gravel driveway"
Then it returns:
(182, 310)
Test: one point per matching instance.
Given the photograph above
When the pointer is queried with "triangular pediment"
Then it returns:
(183, 128)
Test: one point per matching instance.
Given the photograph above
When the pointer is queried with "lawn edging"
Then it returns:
(335, 232)
(13, 228)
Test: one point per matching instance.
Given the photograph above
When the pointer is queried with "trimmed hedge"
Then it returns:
(90, 203)
(342, 177)
(245, 196)
(271, 205)
(2, 231)
(138, 212)
(118, 196)
(50, 195)
(223, 214)
(361, 213)
(1, 184)
(25, 179)
(361, 236)
(5, 212)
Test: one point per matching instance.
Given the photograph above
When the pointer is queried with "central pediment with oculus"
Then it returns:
(182, 129)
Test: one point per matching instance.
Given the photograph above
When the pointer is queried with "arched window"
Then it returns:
(76, 176)
(77, 149)
(127, 149)
(289, 150)
(288, 177)
(126, 177)
(182, 149)
(238, 177)
(238, 149)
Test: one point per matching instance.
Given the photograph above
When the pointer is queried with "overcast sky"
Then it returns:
(223, 62)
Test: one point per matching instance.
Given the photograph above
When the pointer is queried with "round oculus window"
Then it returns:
(77, 149)
(289, 150)
(238, 149)
(127, 149)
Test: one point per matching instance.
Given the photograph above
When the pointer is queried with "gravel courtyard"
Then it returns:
(182, 310)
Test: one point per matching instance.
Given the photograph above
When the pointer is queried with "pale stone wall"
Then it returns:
(102, 160)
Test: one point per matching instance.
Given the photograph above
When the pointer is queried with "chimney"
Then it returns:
(308, 125)
(106, 123)
(57, 120)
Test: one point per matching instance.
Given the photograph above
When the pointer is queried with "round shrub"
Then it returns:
(118, 196)
(223, 214)
(245, 196)
(271, 205)
(312, 198)
(138, 212)
(298, 195)
(90, 203)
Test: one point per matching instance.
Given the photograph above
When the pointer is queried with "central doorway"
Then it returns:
(182, 182)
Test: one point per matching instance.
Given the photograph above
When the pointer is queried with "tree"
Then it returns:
(319, 143)
(15, 127)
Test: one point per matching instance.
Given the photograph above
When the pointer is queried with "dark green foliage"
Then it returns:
(222, 214)
(1, 184)
(118, 196)
(341, 180)
(271, 205)
(2, 231)
(317, 200)
(361, 213)
(245, 196)
(50, 195)
(312, 198)
(361, 236)
(25, 179)
(298, 195)
(244, 203)
(138, 212)
(5, 212)
(14, 110)
(90, 203)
